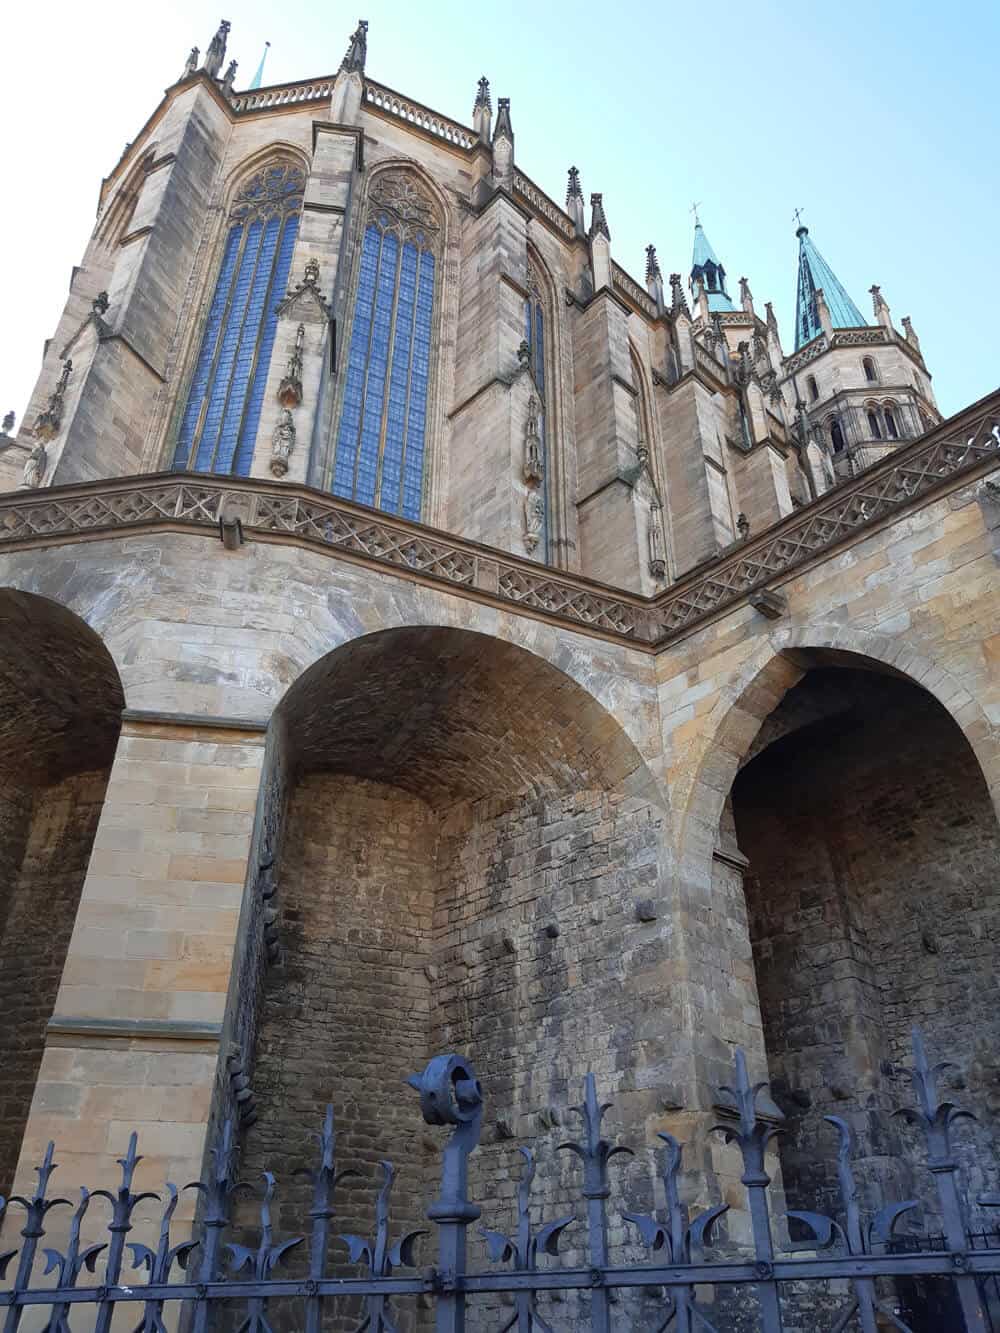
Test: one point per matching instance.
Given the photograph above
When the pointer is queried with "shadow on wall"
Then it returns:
(465, 833)
(60, 714)
(874, 904)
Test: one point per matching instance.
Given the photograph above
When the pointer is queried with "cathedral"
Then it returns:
(418, 634)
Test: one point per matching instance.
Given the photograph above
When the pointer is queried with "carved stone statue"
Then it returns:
(534, 520)
(357, 50)
(191, 64)
(532, 443)
(282, 443)
(657, 557)
(290, 388)
(48, 423)
(230, 78)
(34, 468)
(216, 52)
(100, 303)
(743, 526)
(8, 423)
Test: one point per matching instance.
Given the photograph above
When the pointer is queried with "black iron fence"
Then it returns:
(868, 1265)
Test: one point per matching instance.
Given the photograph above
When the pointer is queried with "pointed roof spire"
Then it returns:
(258, 78)
(706, 265)
(482, 111)
(504, 129)
(357, 50)
(654, 279)
(574, 202)
(678, 301)
(598, 218)
(216, 52)
(816, 274)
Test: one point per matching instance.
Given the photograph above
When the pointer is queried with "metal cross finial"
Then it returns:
(797, 214)
(694, 209)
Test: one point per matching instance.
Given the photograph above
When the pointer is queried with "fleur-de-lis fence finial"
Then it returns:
(595, 1153)
(753, 1136)
(380, 1258)
(262, 1261)
(324, 1178)
(524, 1249)
(855, 1239)
(936, 1118)
(217, 1192)
(32, 1232)
(70, 1265)
(123, 1204)
(159, 1264)
(684, 1243)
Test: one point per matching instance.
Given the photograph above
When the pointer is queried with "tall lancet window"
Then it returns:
(219, 425)
(534, 336)
(382, 436)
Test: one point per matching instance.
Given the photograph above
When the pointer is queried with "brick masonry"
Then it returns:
(874, 906)
(40, 904)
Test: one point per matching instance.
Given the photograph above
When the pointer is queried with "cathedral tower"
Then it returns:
(860, 389)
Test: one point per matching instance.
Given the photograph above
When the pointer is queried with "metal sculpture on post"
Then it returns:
(450, 1094)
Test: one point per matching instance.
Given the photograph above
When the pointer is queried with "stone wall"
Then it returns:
(40, 902)
(874, 906)
(345, 1015)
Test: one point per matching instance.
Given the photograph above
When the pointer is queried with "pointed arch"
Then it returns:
(726, 735)
(381, 443)
(118, 215)
(217, 427)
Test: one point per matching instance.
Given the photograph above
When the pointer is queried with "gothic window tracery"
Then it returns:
(219, 426)
(381, 437)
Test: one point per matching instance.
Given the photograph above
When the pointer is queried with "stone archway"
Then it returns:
(840, 833)
(463, 833)
(60, 714)
(873, 904)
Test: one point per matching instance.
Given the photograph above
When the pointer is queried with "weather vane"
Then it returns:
(798, 217)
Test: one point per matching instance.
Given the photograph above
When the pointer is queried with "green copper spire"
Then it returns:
(258, 78)
(706, 265)
(815, 272)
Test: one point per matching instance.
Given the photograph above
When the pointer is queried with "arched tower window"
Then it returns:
(891, 426)
(381, 438)
(874, 425)
(811, 386)
(871, 374)
(219, 426)
(836, 435)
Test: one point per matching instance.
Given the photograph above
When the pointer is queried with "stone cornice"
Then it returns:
(948, 456)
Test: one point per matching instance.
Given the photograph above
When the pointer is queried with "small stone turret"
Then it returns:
(482, 111)
(574, 201)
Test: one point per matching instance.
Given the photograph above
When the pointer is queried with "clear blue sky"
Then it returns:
(881, 120)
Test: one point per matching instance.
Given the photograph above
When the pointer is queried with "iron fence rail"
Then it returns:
(860, 1251)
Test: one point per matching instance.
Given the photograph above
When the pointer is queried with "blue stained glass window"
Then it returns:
(218, 427)
(379, 458)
